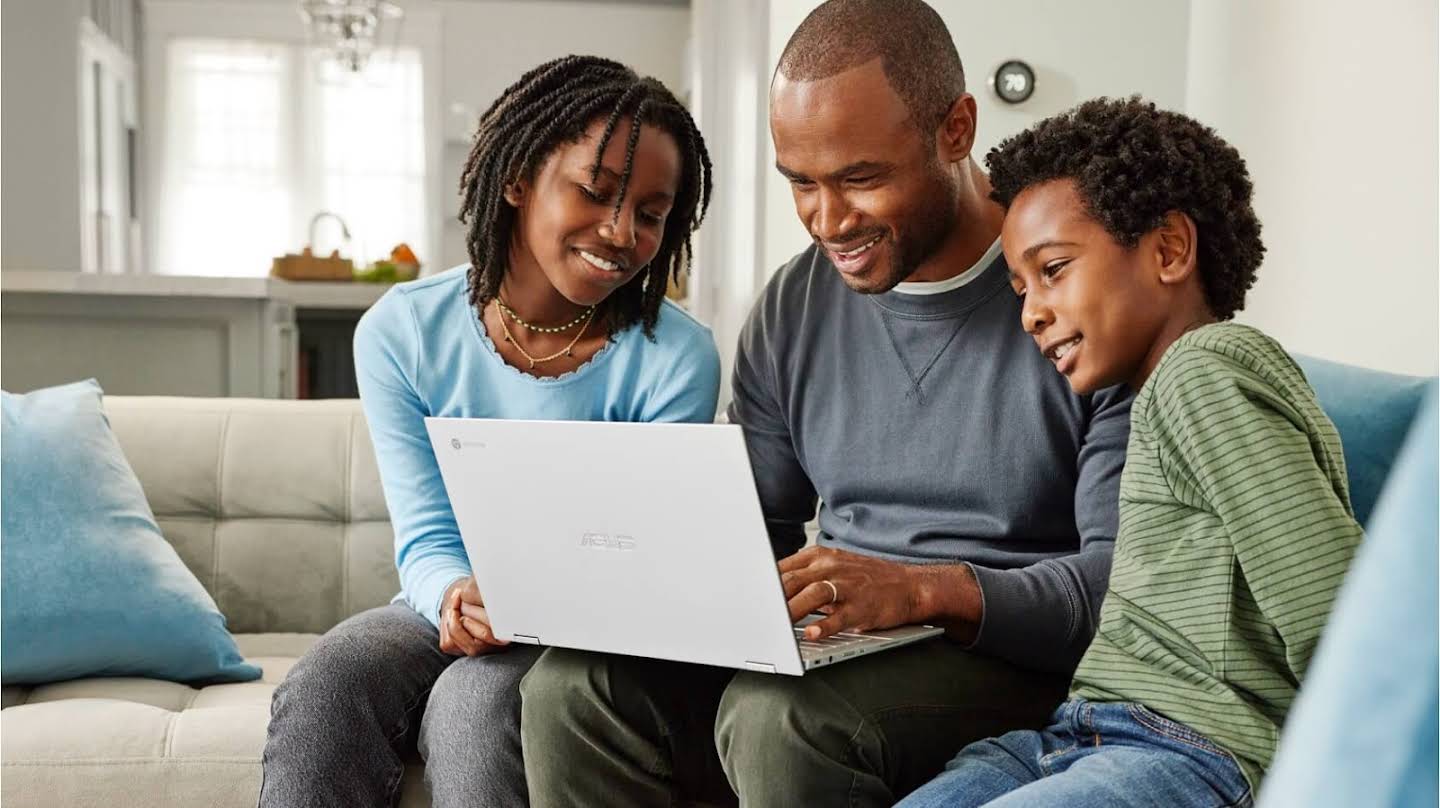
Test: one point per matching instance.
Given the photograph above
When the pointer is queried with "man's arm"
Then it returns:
(787, 497)
(1041, 616)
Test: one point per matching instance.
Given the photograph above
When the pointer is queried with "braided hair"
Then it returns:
(554, 104)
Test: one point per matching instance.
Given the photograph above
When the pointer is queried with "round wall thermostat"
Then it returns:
(1013, 81)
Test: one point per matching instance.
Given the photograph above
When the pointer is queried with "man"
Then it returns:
(883, 371)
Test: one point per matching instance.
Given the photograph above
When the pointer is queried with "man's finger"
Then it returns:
(821, 629)
(795, 581)
(798, 560)
(808, 600)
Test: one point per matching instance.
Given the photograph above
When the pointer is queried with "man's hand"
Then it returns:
(860, 593)
(464, 624)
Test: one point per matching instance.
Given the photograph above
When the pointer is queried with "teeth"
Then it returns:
(1064, 348)
(598, 262)
(858, 250)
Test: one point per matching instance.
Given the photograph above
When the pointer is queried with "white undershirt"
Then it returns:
(950, 284)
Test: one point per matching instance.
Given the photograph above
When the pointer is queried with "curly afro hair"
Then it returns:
(1133, 163)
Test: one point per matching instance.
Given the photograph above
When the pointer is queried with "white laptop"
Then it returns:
(641, 539)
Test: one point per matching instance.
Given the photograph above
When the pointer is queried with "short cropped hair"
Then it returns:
(1132, 163)
(909, 38)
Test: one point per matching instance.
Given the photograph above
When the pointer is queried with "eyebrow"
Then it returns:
(845, 171)
(659, 196)
(1035, 248)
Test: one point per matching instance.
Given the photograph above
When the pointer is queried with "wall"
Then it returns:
(489, 44)
(730, 102)
(39, 92)
(1333, 106)
(1078, 51)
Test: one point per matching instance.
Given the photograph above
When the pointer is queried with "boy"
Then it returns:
(1131, 237)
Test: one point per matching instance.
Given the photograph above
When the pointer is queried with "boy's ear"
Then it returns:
(1175, 247)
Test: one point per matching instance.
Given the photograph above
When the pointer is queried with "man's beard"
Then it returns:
(919, 240)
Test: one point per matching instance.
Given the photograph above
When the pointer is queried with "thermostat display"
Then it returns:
(1013, 81)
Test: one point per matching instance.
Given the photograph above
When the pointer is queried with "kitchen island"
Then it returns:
(141, 334)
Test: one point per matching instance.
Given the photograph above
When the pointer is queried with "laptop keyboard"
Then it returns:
(841, 645)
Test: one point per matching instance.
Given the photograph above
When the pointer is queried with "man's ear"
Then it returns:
(956, 135)
(1175, 243)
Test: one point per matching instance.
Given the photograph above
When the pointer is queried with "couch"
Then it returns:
(276, 507)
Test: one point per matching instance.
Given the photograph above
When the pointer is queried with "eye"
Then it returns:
(866, 179)
(653, 218)
(1052, 269)
(594, 194)
(801, 184)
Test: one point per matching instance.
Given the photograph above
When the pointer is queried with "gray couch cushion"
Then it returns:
(144, 742)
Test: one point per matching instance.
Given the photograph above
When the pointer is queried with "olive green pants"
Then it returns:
(600, 729)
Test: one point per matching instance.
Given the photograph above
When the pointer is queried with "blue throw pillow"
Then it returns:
(88, 585)
(1372, 411)
(1363, 731)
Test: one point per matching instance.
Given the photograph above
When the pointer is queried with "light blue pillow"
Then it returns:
(1363, 731)
(88, 585)
(1372, 411)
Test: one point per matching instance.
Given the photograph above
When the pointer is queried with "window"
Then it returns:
(259, 137)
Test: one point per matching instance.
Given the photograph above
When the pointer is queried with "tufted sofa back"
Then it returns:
(276, 506)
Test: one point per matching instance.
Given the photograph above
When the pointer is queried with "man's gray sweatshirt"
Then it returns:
(932, 430)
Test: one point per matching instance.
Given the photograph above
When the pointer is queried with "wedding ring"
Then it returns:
(834, 590)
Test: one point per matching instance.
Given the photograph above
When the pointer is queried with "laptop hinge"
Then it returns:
(526, 639)
(759, 667)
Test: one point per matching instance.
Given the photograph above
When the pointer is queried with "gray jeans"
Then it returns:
(377, 686)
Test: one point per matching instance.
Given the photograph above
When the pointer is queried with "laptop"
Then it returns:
(639, 539)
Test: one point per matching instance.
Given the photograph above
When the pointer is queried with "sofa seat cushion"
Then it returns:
(143, 742)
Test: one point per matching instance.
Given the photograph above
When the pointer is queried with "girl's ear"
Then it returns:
(1175, 247)
(514, 193)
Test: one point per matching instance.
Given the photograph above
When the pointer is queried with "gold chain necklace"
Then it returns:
(566, 351)
(542, 329)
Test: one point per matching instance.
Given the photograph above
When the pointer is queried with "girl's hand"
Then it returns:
(464, 623)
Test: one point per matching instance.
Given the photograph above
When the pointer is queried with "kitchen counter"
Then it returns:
(299, 294)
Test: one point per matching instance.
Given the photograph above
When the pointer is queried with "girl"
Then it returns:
(581, 191)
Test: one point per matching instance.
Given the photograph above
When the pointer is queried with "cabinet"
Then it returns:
(180, 335)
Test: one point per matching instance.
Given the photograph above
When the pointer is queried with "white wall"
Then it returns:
(489, 44)
(1333, 106)
(39, 92)
(731, 83)
(1078, 51)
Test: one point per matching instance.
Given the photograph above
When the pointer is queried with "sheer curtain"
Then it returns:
(260, 136)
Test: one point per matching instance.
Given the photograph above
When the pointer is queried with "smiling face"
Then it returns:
(566, 223)
(868, 186)
(1096, 308)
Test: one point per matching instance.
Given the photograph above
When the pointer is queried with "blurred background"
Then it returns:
(200, 197)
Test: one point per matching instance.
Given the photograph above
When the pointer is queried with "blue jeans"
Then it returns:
(1091, 756)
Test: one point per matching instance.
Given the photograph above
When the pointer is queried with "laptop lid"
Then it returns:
(643, 539)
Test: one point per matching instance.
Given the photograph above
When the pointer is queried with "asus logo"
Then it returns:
(605, 541)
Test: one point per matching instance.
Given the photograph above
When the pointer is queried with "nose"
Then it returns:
(619, 230)
(1035, 314)
(832, 216)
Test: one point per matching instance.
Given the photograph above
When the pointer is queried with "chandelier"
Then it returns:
(348, 29)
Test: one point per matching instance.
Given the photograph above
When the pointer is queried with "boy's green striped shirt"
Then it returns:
(1235, 532)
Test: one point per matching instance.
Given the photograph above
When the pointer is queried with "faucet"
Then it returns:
(315, 220)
